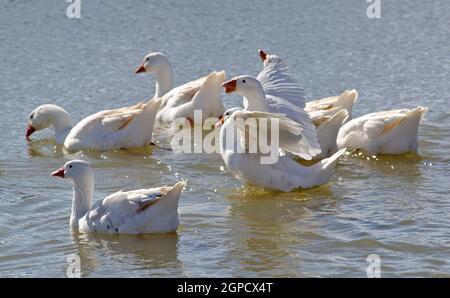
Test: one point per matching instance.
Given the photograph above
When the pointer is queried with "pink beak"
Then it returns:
(59, 173)
(30, 130)
(141, 68)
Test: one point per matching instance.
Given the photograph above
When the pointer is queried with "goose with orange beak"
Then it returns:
(273, 171)
(273, 96)
(141, 211)
(202, 94)
(276, 95)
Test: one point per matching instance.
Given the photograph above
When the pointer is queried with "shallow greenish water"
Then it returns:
(396, 207)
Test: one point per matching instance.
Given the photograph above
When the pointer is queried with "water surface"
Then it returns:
(396, 207)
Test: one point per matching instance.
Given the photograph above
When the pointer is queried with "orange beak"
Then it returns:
(220, 122)
(230, 86)
(59, 173)
(262, 55)
(141, 68)
(30, 130)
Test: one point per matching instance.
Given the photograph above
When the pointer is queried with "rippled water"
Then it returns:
(396, 207)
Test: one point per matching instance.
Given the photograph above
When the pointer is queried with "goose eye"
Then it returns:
(31, 116)
(70, 166)
(243, 81)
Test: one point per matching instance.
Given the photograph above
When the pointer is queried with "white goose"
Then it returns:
(256, 99)
(153, 210)
(285, 174)
(202, 94)
(327, 114)
(388, 132)
(276, 92)
(128, 127)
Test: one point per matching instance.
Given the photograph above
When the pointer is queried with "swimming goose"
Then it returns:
(282, 173)
(326, 114)
(202, 94)
(275, 91)
(388, 132)
(128, 127)
(152, 210)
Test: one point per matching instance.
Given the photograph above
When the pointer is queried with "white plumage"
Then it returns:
(285, 174)
(388, 132)
(127, 127)
(285, 96)
(199, 95)
(326, 114)
(202, 94)
(153, 210)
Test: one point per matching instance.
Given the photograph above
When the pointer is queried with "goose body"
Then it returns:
(202, 94)
(387, 132)
(152, 210)
(127, 127)
(199, 95)
(285, 174)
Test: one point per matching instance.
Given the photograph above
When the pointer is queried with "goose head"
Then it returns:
(153, 62)
(47, 115)
(242, 85)
(267, 59)
(226, 115)
(75, 171)
(251, 89)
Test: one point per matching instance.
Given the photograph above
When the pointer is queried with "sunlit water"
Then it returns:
(396, 207)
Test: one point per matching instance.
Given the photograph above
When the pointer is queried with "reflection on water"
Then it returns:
(140, 252)
(45, 148)
(394, 206)
(269, 231)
